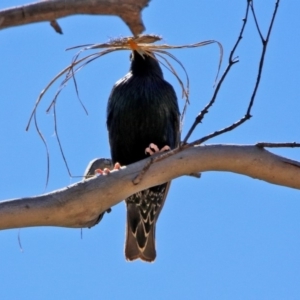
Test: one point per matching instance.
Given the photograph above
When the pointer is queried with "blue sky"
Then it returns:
(225, 236)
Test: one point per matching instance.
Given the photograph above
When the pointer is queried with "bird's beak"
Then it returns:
(134, 47)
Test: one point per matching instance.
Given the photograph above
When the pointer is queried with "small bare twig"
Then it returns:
(277, 145)
(231, 62)
(255, 19)
(247, 116)
(19, 240)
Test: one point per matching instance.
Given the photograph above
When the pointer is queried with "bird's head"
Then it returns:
(143, 62)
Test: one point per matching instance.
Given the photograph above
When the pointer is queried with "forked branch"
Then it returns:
(232, 61)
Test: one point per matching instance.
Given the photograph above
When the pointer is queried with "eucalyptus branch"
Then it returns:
(81, 204)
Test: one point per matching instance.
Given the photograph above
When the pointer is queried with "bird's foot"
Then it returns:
(107, 171)
(152, 149)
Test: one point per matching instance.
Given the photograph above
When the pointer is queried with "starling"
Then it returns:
(142, 109)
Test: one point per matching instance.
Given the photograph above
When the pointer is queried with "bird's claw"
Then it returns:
(107, 171)
(152, 149)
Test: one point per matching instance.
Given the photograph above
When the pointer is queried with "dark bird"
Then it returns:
(142, 109)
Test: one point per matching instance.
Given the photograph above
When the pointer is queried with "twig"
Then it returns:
(19, 240)
(231, 62)
(247, 116)
(255, 19)
(277, 145)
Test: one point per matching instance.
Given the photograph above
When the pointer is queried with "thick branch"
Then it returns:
(128, 10)
(80, 204)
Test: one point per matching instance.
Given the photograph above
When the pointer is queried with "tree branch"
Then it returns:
(80, 204)
(128, 10)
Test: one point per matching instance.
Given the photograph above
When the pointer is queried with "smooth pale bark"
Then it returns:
(80, 204)
(128, 10)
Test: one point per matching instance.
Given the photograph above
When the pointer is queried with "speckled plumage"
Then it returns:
(142, 109)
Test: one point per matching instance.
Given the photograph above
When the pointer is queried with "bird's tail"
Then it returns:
(143, 209)
(140, 245)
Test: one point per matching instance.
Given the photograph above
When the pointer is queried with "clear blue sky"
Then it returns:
(224, 236)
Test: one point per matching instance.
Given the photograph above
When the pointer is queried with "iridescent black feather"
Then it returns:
(142, 109)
